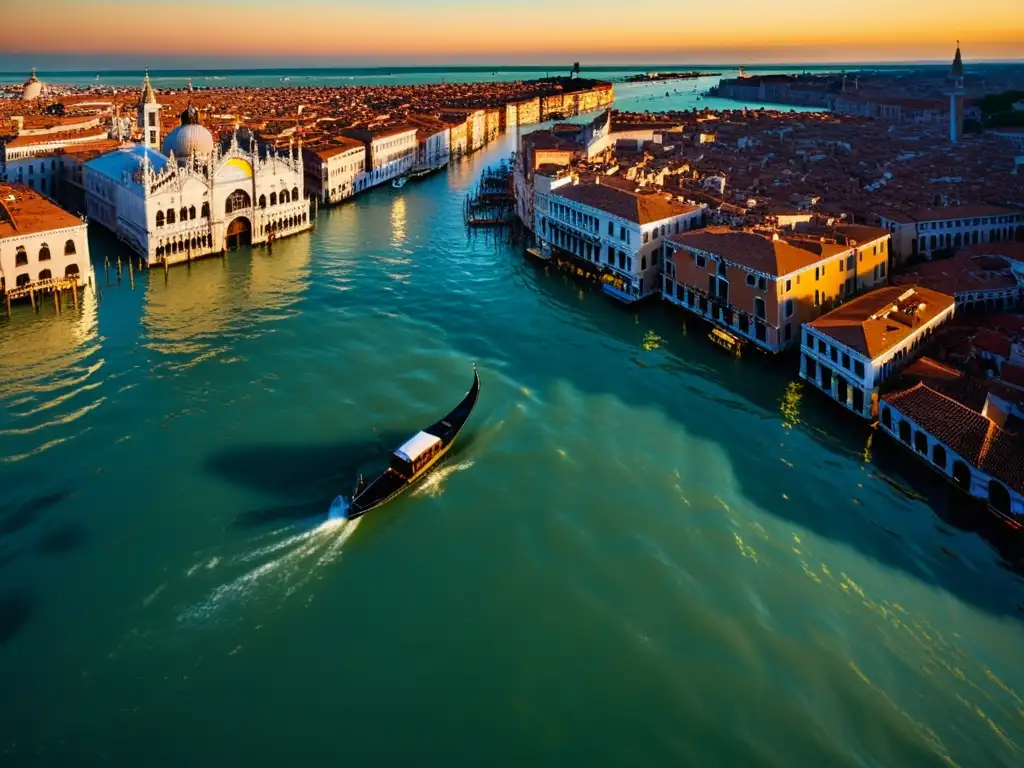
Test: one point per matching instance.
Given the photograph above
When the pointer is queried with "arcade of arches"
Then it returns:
(959, 471)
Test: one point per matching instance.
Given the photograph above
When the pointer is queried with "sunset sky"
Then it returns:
(186, 33)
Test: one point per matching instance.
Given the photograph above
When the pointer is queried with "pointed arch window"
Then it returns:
(184, 213)
(69, 248)
(159, 218)
(205, 212)
(263, 201)
(295, 195)
(273, 198)
(44, 253)
(170, 216)
(21, 257)
(191, 212)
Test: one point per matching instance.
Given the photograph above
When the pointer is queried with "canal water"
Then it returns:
(642, 551)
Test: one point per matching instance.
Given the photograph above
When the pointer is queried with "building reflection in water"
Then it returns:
(398, 221)
(197, 309)
(38, 349)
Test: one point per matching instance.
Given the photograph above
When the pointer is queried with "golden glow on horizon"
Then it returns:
(788, 30)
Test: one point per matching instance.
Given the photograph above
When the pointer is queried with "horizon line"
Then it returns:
(547, 67)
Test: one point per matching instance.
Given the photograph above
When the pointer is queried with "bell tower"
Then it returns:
(149, 116)
(956, 98)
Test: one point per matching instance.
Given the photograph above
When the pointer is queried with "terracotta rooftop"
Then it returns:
(24, 211)
(961, 274)
(638, 208)
(877, 321)
(757, 251)
(965, 431)
(959, 212)
(339, 145)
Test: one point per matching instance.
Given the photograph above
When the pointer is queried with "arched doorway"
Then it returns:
(239, 233)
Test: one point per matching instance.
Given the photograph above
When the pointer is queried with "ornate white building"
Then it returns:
(191, 199)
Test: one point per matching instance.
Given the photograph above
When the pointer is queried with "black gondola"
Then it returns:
(411, 461)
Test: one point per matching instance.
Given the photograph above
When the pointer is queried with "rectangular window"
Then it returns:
(622, 233)
(817, 273)
(811, 366)
(611, 229)
(702, 262)
(858, 368)
(788, 332)
(789, 286)
(645, 237)
(750, 280)
(789, 307)
(881, 269)
(846, 361)
(834, 354)
(762, 284)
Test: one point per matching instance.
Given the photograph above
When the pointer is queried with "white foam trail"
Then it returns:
(432, 483)
(290, 566)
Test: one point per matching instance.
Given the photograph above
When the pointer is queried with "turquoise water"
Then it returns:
(642, 552)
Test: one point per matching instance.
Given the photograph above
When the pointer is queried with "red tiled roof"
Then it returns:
(869, 325)
(989, 340)
(638, 208)
(978, 440)
(758, 252)
(962, 273)
(24, 211)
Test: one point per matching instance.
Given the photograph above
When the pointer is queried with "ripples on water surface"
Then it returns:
(641, 551)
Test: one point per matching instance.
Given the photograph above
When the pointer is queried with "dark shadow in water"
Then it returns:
(61, 541)
(16, 608)
(760, 385)
(22, 516)
(307, 478)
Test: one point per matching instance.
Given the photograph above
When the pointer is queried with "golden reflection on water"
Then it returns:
(789, 404)
(36, 345)
(398, 221)
(943, 660)
(190, 308)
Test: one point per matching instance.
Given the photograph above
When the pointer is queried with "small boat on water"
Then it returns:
(411, 461)
(400, 182)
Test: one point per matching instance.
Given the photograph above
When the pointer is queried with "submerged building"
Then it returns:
(191, 198)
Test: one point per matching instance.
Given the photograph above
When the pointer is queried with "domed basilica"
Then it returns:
(190, 197)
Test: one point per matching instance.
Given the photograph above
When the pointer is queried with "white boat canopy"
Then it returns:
(416, 446)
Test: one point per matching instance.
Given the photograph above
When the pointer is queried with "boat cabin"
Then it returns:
(415, 454)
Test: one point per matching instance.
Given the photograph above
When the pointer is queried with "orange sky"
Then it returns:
(645, 31)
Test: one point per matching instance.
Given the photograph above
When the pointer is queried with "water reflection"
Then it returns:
(48, 361)
(398, 213)
(193, 310)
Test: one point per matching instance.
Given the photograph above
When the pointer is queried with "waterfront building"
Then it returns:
(851, 351)
(763, 286)
(389, 151)
(984, 277)
(970, 448)
(39, 241)
(934, 231)
(334, 172)
(191, 198)
(476, 126)
(433, 143)
(617, 232)
(522, 112)
(549, 154)
(458, 134)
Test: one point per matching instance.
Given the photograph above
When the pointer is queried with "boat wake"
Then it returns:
(433, 483)
(273, 572)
